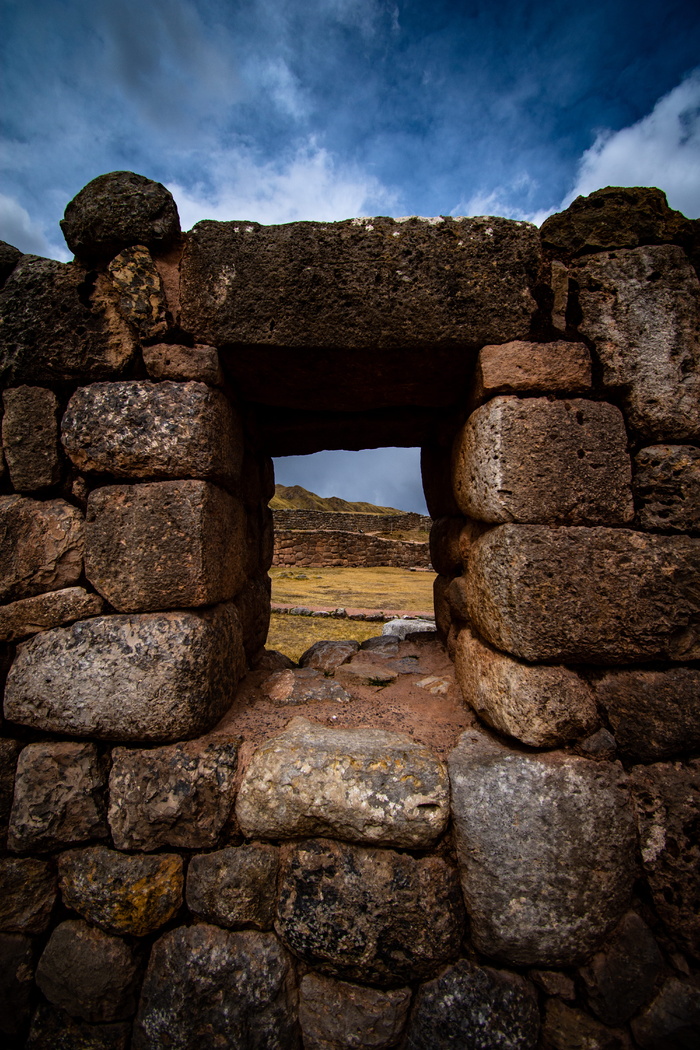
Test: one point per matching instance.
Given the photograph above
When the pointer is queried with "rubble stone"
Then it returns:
(30, 437)
(166, 361)
(234, 886)
(16, 978)
(43, 612)
(140, 291)
(326, 656)
(295, 687)
(621, 977)
(41, 546)
(54, 1029)
(672, 1019)
(653, 713)
(532, 368)
(335, 1015)
(27, 894)
(568, 1029)
(667, 487)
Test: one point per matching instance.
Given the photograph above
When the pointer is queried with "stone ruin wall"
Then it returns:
(350, 522)
(331, 547)
(539, 889)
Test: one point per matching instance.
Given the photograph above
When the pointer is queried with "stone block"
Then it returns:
(621, 977)
(145, 677)
(542, 706)
(567, 1029)
(27, 894)
(16, 979)
(167, 361)
(667, 488)
(456, 595)
(89, 973)
(520, 367)
(43, 612)
(54, 1029)
(672, 1019)
(235, 886)
(326, 656)
(641, 311)
(369, 915)
(361, 785)
(170, 544)
(210, 987)
(179, 796)
(476, 1007)
(9, 753)
(41, 546)
(546, 848)
(139, 429)
(445, 551)
(30, 437)
(653, 713)
(253, 606)
(335, 1015)
(121, 893)
(59, 797)
(140, 292)
(436, 477)
(599, 595)
(534, 460)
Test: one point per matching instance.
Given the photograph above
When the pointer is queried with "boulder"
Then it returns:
(520, 367)
(653, 713)
(621, 977)
(140, 292)
(30, 437)
(445, 551)
(253, 606)
(43, 612)
(672, 1019)
(234, 887)
(295, 687)
(27, 894)
(168, 361)
(54, 1029)
(567, 1029)
(9, 257)
(667, 487)
(16, 979)
(335, 1015)
(403, 627)
(326, 656)
(41, 546)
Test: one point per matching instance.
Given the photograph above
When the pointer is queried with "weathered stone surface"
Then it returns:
(178, 796)
(641, 309)
(273, 660)
(456, 595)
(41, 546)
(475, 1007)
(554, 982)
(29, 616)
(140, 291)
(436, 476)
(123, 894)
(235, 886)
(568, 1029)
(30, 437)
(381, 645)
(117, 210)
(402, 628)
(586, 595)
(9, 257)
(335, 1015)
(145, 677)
(166, 361)
(186, 545)
(153, 430)
(326, 656)
(667, 487)
(16, 976)
(621, 977)
(211, 987)
(27, 894)
(672, 1019)
(9, 753)
(654, 714)
(601, 744)
(305, 686)
(369, 915)
(54, 1029)
(546, 848)
(361, 785)
(542, 706)
(59, 323)
(534, 460)
(253, 606)
(532, 368)
(445, 551)
(89, 973)
(667, 799)
(59, 797)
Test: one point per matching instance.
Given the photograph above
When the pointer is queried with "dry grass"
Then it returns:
(292, 635)
(380, 588)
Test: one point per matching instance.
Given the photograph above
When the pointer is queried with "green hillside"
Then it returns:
(294, 497)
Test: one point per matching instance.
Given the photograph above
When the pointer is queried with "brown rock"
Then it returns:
(89, 973)
(43, 612)
(532, 368)
(131, 895)
(30, 437)
(27, 894)
(586, 595)
(16, 977)
(672, 1019)
(542, 706)
(179, 796)
(553, 982)
(654, 714)
(326, 656)
(641, 310)
(9, 753)
(235, 886)
(54, 1029)
(273, 660)
(306, 686)
(445, 551)
(621, 977)
(368, 914)
(153, 430)
(335, 1015)
(568, 1029)
(667, 488)
(536, 461)
(41, 546)
(9, 257)
(253, 606)
(456, 595)
(441, 605)
(140, 291)
(167, 361)
(59, 797)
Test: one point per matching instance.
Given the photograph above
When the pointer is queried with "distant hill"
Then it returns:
(294, 497)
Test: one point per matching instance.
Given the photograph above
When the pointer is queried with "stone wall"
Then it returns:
(346, 887)
(348, 522)
(332, 547)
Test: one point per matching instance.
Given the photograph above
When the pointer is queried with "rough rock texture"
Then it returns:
(546, 850)
(667, 487)
(553, 982)
(148, 677)
(89, 973)
(27, 894)
(368, 915)
(59, 796)
(587, 595)
(542, 706)
(475, 1007)
(532, 368)
(253, 605)
(117, 210)
(9, 257)
(335, 1015)
(201, 363)
(210, 987)
(672, 1019)
(186, 545)
(535, 460)
(30, 437)
(641, 309)
(178, 796)
(59, 323)
(362, 785)
(121, 893)
(292, 688)
(621, 977)
(667, 799)
(235, 886)
(54, 1029)
(568, 1029)
(41, 546)
(16, 976)
(29, 616)
(402, 628)
(140, 291)
(326, 656)
(9, 753)
(445, 551)
(153, 430)
(653, 713)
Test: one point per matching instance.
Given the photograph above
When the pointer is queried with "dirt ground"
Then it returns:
(378, 588)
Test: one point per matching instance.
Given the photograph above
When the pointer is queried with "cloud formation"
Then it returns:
(388, 477)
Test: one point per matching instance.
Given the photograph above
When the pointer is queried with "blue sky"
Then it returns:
(276, 110)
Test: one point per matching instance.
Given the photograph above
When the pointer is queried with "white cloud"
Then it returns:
(18, 229)
(387, 477)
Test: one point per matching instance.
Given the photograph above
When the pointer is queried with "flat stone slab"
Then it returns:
(41, 546)
(43, 612)
(361, 785)
(303, 686)
(520, 367)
